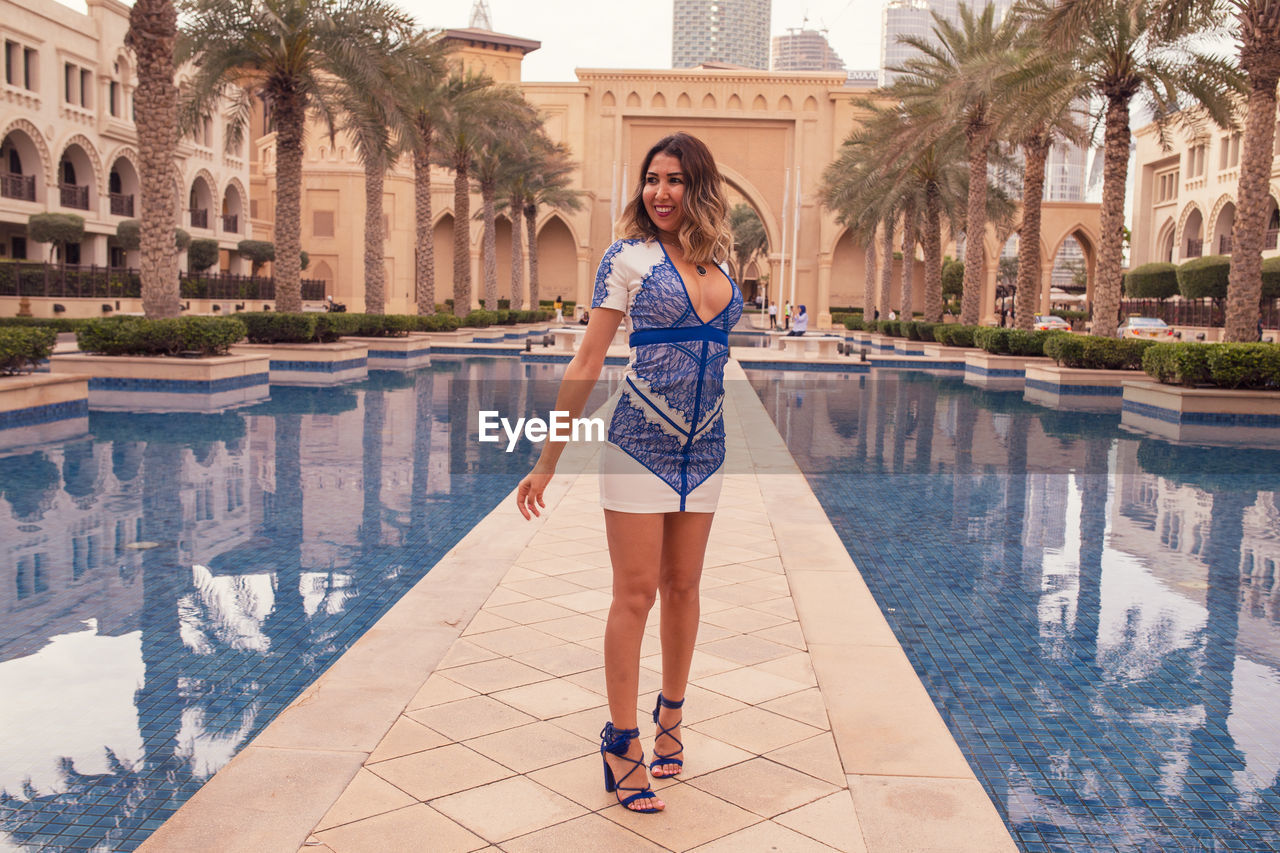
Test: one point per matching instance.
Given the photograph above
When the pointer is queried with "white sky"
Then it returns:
(615, 34)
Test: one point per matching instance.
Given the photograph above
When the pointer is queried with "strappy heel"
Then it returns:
(668, 760)
(615, 741)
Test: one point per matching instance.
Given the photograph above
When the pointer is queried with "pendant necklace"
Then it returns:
(700, 268)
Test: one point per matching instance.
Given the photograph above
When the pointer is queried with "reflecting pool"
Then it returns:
(169, 583)
(1095, 614)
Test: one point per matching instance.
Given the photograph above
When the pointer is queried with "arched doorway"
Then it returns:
(123, 187)
(232, 210)
(1165, 242)
(557, 260)
(75, 179)
(442, 246)
(1192, 239)
(1221, 240)
(848, 273)
(200, 202)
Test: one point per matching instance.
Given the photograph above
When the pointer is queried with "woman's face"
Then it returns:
(663, 194)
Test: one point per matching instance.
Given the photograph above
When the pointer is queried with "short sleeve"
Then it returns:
(614, 279)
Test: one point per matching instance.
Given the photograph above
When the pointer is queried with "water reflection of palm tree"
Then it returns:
(424, 390)
(375, 405)
(1093, 478)
(286, 624)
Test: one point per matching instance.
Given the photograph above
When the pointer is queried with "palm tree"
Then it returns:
(499, 154)
(294, 56)
(153, 29)
(421, 89)
(956, 72)
(477, 109)
(1127, 49)
(547, 186)
(749, 238)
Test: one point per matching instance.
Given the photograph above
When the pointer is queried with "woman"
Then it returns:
(802, 323)
(660, 473)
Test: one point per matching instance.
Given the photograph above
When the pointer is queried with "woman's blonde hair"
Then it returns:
(704, 231)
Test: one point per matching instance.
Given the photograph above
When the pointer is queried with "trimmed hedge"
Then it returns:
(1223, 365)
(22, 349)
(853, 322)
(1151, 281)
(480, 318)
(1095, 353)
(954, 334)
(58, 324)
(271, 327)
(1178, 364)
(438, 322)
(176, 336)
(1205, 277)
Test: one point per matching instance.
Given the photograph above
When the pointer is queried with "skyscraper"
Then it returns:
(804, 50)
(729, 31)
(901, 18)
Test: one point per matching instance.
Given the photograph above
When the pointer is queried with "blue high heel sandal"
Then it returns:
(616, 741)
(660, 760)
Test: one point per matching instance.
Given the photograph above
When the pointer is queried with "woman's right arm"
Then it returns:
(575, 387)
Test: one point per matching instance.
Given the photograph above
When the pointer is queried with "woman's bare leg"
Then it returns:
(684, 544)
(635, 549)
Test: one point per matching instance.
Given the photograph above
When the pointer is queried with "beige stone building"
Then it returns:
(772, 134)
(68, 143)
(1185, 197)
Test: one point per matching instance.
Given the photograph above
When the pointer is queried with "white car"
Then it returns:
(1051, 323)
(1146, 327)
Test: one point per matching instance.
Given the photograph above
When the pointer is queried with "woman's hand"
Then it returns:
(529, 492)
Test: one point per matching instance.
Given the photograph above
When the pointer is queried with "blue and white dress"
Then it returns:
(666, 436)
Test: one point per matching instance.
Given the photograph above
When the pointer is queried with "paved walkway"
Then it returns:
(467, 718)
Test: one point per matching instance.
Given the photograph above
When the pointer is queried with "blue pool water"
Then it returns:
(169, 583)
(1095, 614)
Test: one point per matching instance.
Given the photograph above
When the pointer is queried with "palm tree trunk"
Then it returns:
(517, 255)
(1036, 151)
(153, 27)
(908, 258)
(489, 246)
(869, 278)
(289, 116)
(1115, 170)
(886, 267)
(461, 239)
(1244, 286)
(424, 261)
(531, 225)
(932, 253)
(977, 142)
(375, 269)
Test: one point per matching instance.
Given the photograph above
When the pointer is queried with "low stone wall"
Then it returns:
(1075, 389)
(1217, 416)
(999, 372)
(42, 407)
(160, 383)
(312, 364)
(413, 350)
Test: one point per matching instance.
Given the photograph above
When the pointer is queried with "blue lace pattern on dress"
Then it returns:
(669, 418)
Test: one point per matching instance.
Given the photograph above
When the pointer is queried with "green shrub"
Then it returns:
(384, 325)
(202, 254)
(1271, 278)
(993, 339)
(1206, 277)
(1095, 353)
(480, 318)
(58, 324)
(925, 330)
(1070, 316)
(22, 348)
(174, 336)
(1151, 281)
(954, 335)
(438, 322)
(1241, 365)
(331, 326)
(910, 330)
(1179, 364)
(953, 278)
(272, 327)
(853, 322)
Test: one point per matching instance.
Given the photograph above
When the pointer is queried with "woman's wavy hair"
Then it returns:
(704, 233)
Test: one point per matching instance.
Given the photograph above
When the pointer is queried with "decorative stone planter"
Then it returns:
(767, 359)
(1076, 389)
(312, 364)
(999, 372)
(506, 334)
(160, 383)
(42, 407)
(927, 363)
(413, 350)
(902, 346)
(1217, 416)
(879, 343)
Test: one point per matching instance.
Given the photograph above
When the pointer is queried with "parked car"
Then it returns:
(1146, 327)
(1051, 323)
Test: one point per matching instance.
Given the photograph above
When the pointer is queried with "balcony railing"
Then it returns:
(1195, 248)
(1224, 244)
(31, 278)
(199, 218)
(1269, 240)
(74, 195)
(231, 223)
(21, 187)
(121, 204)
